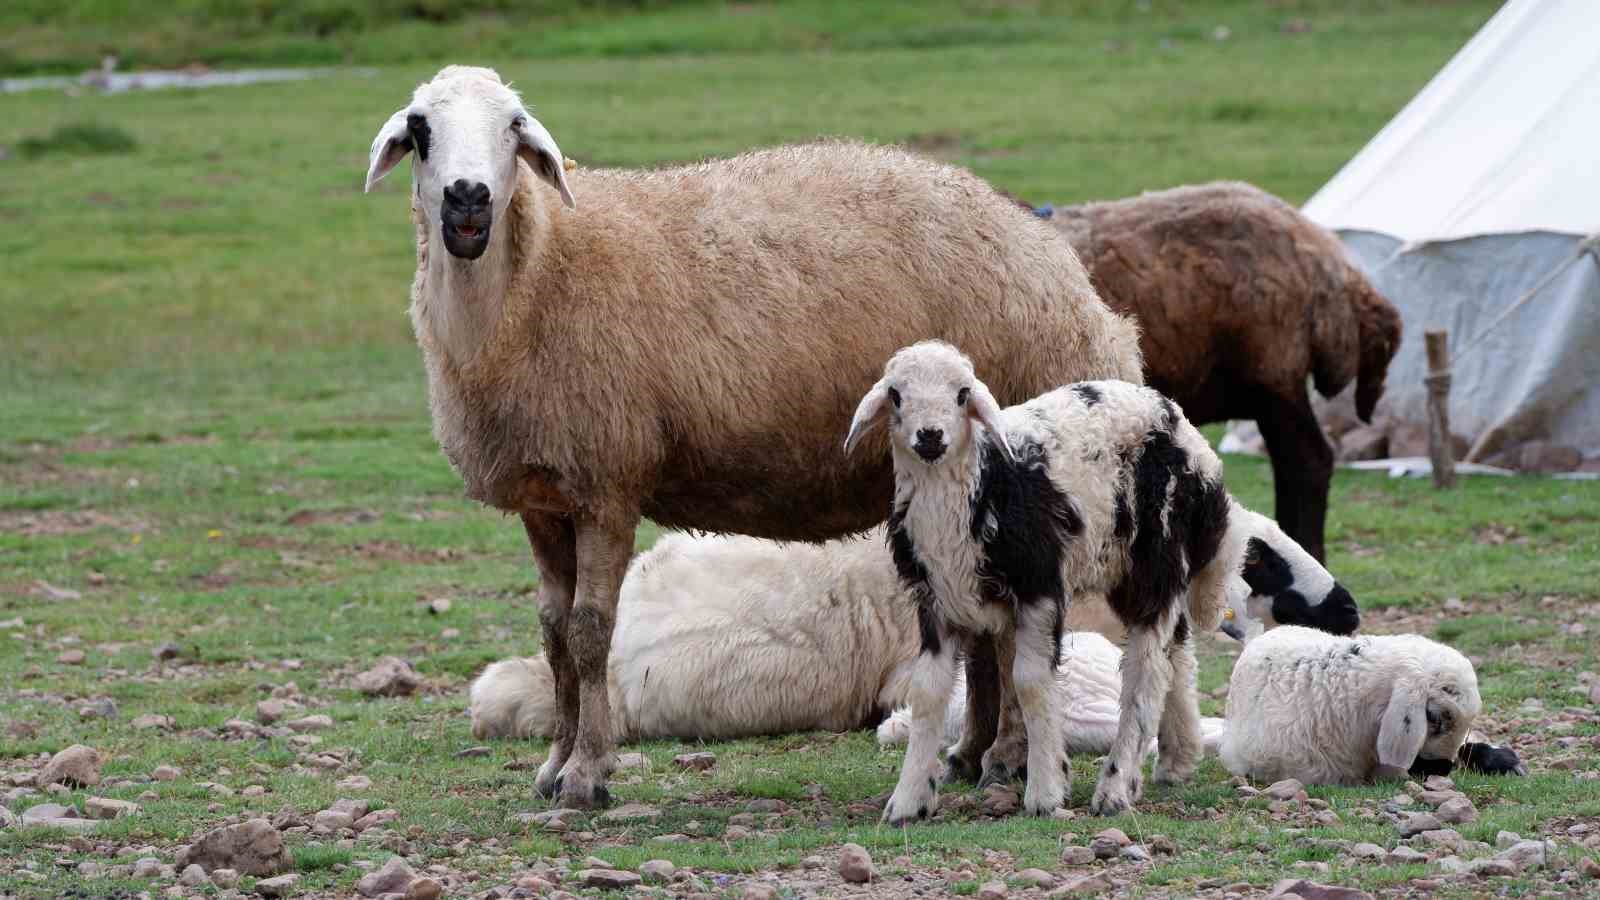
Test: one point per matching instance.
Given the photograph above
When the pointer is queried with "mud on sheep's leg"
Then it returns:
(604, 545)
(1038, 647)
(1178, 743)
(965, 760)
(1006, 759)
(555, 551)
(916, 796)
(1146, 675)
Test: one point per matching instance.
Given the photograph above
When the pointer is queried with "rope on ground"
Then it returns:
(1587, 245)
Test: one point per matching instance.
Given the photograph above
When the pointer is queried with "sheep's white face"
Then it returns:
(467, 130)
(1453, 705)
(929, 396)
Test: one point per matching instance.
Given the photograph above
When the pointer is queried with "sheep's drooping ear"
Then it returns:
(982, 406)
(388, 148)
(539, 149)
(1404, 726)
(868, 412)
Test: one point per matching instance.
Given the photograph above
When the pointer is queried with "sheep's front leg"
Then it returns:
(1038, 643)
(555, 551)
(604, 546)
(1146, 674)
(1007, 758)
(965, 759)
(916, 796)
(1179, 746)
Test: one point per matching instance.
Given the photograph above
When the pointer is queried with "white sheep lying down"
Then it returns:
(1346, 710)
(728, 636)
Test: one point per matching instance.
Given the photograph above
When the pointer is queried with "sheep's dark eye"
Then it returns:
(961, 396)
(894, 397)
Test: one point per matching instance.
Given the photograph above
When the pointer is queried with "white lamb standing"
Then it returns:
(1001, 517)
(1346, 710)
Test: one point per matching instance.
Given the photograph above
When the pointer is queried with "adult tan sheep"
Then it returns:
(1239, 300)
(689, 344)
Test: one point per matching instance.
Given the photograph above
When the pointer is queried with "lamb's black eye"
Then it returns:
(894, 397)
(961, 396)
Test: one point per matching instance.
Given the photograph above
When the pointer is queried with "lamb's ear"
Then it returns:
(1404, 726)
(868, 412)
(388, 148)
(538, 148)
(982, 406)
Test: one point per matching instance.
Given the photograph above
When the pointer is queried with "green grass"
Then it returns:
(215, 428)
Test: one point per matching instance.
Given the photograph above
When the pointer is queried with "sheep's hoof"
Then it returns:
(597, 797)
(958, 770)
(1171, 775)
(1111, 800)
(1000, 773)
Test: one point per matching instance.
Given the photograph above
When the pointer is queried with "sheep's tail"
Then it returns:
(514, 698)
(1380, 330)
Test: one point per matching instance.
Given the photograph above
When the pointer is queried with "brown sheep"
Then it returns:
(689, 345)
(1239, 298)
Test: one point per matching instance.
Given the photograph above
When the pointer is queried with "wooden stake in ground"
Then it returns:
(1440, 450)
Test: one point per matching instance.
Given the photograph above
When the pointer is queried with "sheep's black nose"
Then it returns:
(465, 194)
(930, 443)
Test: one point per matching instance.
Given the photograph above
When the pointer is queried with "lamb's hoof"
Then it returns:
(1113, 797)
(1174, 775)
(594, 797)
(958, 770)
(547, 783)
(1000, 773)
(905, 807)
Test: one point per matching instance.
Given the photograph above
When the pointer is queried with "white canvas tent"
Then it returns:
(1485, 191)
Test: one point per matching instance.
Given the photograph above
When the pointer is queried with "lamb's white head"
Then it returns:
(931, 398)
(467, 130)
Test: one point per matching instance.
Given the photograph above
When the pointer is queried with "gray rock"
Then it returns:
(631, 812)
(425, 889)
(1491, 868)
(758, 890)
(253, 847)
(1287, 789)
(1083, 886)
(855, 865)
(1367, 851)
(392, 878)
(76, 766)
(281, 886)
(609, 879)
(1311, 890)
(657, 869)
(7, 818)
(353, 783)
(225, 878)
(695, 762)
(376, 818)
(107, 808)
(1038, 878)
(306, 724)
(993, 890)
(332, 819)
(1403, 855)
(632, 761)
(1077, 856)
(1135, 853)
(1458, 811)
(1438, 783)
(166, 773)
(102, 708)
(1417, 823)
(1524, 855)
(1506, 839)
(1000, 800)
(193, 876)
(154, 721)
(391, 676)
(146, 867)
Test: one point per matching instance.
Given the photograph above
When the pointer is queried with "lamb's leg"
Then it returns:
(1038, 642)
(1179, 745)
(1146, 673)
(1007, 758)
(604, 546)
(1302, 469)
(916, 796)
(555, 551)
(965, 761)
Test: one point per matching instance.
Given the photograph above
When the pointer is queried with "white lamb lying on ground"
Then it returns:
(1345, 710)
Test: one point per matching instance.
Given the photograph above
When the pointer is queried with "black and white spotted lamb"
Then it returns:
(1001, 517)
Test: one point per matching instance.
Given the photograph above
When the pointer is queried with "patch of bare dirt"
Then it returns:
(48, 522)
(937, 144)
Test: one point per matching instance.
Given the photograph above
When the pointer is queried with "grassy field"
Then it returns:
(213, 429)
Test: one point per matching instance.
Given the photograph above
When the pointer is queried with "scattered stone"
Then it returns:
(855, 866)
(375, 818)
(193, 876)
(1162, 845)
(1135, 853)
(631, 812)
(1287, 789)
(1594, 693)
(993, 890)
(1077, 856)
(766, 805)
(1506, 839)
(1524, 855)
(1367, 851)
(439, 606)
(474, 752)
(353, 783)
(393, 878)
(107, 808)
(155, 721)
(1117, 835)
(695, 762)
(1038, 878)
(1403, 855)
(1083, 886)
(71, 658)
(758, 890)
(270, 711)
(225, 878)
(253, 847)
(1491, 868)
(1589, 867)
(735, 833)
(1417, 823)
(425, 889)
(305, 724)
(1438, 783)
(813, 862)
(281, 886)
(657, 870)
(390, 677)
(332, 820)
(1457, 812)
(609, 879)
(1311, 890)
(1000, 800)
(164, 652)
(103, 708)
(632, 761)
(7, 818)
(76, 766)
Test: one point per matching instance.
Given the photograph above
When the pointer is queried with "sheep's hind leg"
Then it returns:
(604, 546)
(965, 760)
(1146, 673)
(1178, 744)
(555, 551)
(916, 796)
(1038, 643)
(1007, 759)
